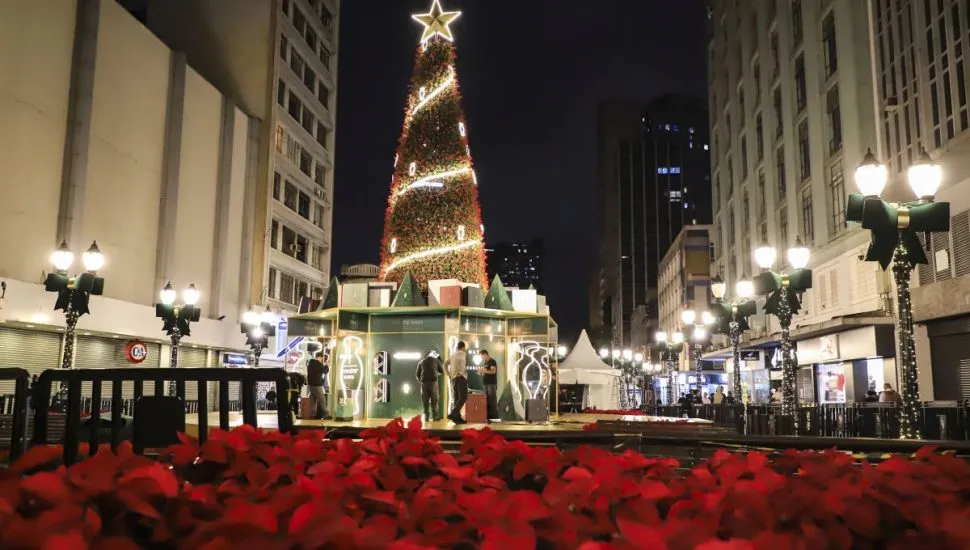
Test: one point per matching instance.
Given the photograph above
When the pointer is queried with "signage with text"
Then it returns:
(234, 360)
(407, 323)
(349, 320)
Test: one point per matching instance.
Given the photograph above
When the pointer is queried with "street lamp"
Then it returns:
(176, 318)
(74, 293)
(258, 328)
(626, 361)
(894, 240)
(670, 348)
(732, 318)
(699, 333)
(783, 292)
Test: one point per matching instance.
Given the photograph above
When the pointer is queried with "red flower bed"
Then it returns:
(621, 412)
(397, 489)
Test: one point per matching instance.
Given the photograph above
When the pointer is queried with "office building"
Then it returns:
(519, 265)
(112, 137)
(793, 110)
(685, 277)
(922, 79)
(653, 179)
(278, 60)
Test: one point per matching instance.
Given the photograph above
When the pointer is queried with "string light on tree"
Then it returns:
(427, 206)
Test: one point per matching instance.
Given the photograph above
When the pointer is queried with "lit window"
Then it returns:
(675, 169)
(662, 170)
(675, 128)
(690, 130)
(705, 147)
(667, 127)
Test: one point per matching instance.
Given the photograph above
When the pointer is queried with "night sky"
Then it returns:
(531, 73)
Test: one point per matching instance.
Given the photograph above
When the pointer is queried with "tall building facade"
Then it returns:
(278, 58)
(112, 137)
(923, 49)
(793, 111)
(519, 265)
(653, 179)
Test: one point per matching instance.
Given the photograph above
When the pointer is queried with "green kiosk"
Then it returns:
(374, 350)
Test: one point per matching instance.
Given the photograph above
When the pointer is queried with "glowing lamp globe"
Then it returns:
(191, 295)
(167, 295)
(718, 287)
(562, 351)
(799, 255)
(251, 318)
(678, 338)
(604, 353)
(707, 318)
(688, 316)
(660, 337)
(62, 258)
(93, 259)
(700, 334)
(257, 332)
(744, 288)
(925, 177)
(765, 256)
(616, 354)
(871, 176)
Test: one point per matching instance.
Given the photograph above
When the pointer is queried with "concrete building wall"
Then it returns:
(36, 41)
(155, 160)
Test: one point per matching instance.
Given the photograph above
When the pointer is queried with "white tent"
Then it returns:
(584, 366)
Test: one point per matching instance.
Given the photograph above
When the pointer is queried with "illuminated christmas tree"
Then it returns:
(433, 225)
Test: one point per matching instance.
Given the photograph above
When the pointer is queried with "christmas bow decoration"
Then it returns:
(74, 292)
(723, 313)
(770, 284)
(897, 224)
(177, 318)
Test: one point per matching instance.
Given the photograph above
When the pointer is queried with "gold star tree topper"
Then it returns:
(436, 22)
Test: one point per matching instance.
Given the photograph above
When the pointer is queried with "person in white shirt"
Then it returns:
(458, 372)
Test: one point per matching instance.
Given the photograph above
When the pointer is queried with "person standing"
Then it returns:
(458, 372)
(427, 374)
(316, 373)
(490, 381)
(889, 395)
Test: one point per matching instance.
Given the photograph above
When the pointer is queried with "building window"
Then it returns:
(316, 260)
(271, 283)
(744, 158)
(308, 121)
(296, 63)
(320, 175)
(295, 107)
(834, 119)
(801, 92)
(323, 94)
(284, 47)
(320, 216)
(306, 162)
(808, 220)
(776, 102)
(281, 93)
(277, 185)
(303, 208)
(322, 135)
(287, 286)
(285, 4)
(311, 37)
(797, 29)
(775, 55)
(274, 235)
(759, 137)
(325, 56)
(744, 111)
(804, 153)
(746, 209)
(309, 79)
(291, 196)
(731, 228)
(783, 227)
(780, 172)
(761, 193)
(837, 196)
(299, 20)
(829, 50)
(756, 77)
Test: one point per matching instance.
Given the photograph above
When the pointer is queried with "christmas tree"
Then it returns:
(433, 224)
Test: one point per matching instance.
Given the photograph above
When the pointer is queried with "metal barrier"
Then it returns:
(73, 378)
(13, 411)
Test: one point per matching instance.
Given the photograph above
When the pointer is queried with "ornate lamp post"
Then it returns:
(894, 227)
(699, 333)
(783, 291)
(732, 318)
(649, 371)
(622, 359)
(669, 351)
(258, 330)
(176, 319)
(74, 293)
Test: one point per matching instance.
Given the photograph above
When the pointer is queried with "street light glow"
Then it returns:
(925, 177)
(688, 316)
(604, 353)
(700, 333)
(167, 295)
(562, 350)
(62, 258)
(798, 255)
(871, 176)
(660, 337)
(678, 338)
(93, 259)
(638, 357)
(191, 295)
(765, 256)
(744, 288)
(707, 318)
(718, 287)
(616, 354)
(628, 354)
(251, 318)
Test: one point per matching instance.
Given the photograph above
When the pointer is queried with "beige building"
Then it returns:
(685, 281)
(793, 109)
(111, 136)
(278, 60)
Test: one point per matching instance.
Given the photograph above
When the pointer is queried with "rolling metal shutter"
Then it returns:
(95, 352)
(27, 349)
(192, 358)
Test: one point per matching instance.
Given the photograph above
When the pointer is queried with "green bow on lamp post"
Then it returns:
(731, 318)
(894, 228)
(783, 291)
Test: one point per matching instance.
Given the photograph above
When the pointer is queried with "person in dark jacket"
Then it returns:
(427, 374)
(316, 371)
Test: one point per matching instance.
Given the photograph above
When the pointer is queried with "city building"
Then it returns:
(278, 60)
(793, 111)
(360, 273)
(653, 179)
(685, 277)
(112, 137)
(922, 92)
(519, 265)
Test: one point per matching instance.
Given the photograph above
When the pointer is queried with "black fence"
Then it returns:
(941, 420)
(13, 420)
(74, 407)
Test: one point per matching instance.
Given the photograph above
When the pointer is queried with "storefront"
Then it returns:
(843, 367)
(28, 349)
(950, 357)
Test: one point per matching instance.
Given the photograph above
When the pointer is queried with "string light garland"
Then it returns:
(433, 189)
(910, 419)
(735, 334)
